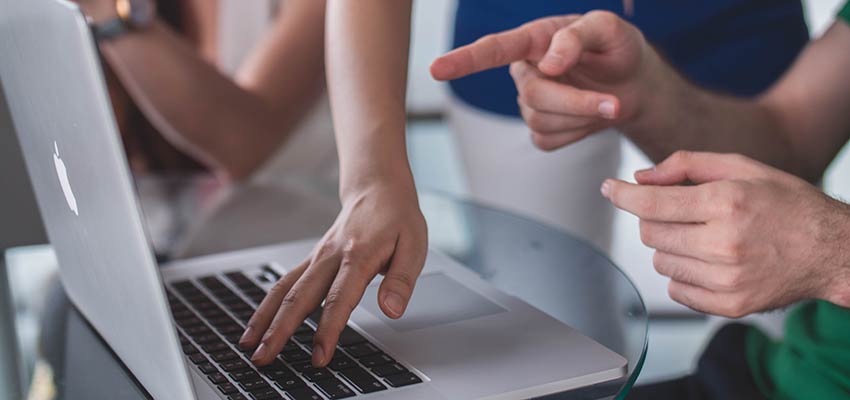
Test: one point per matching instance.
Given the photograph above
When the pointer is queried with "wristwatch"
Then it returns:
(133, 15)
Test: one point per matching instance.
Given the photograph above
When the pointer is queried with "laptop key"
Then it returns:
(294, 355)
(257, 385)
(245, 376)
(197, 359)
(388, 369)
(266, 394)
(229, 329)
(334, 388)
(228, 388)
(207, 368)
(234, 365)
(402, 379)
(376, 360)
(234, 337)
(361, 350)
(290, 383)
(215, 347)
(224, 356)
(189, 349)
(301, 367)
(303, 393)
(305, 338)
(217, 378)
(340, 362)
(204, 339)
(362, 380)
(237, 396)
(349, 337)
(317, 374)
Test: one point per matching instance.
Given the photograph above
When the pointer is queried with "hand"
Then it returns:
(379, 230)
(576, 75)
(746, 238)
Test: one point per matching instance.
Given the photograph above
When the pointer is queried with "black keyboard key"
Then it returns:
(231, 329)
(234, 337)
(340, 362)
(228, 388)
(361, 350)
(217, 378)
(402, 379)
(303, 328)
(362, 380)
(376, 360)
(234, 365)
(224, 356)
(303, 393)
(293, 382)
(183, 340)
(305, 338)
(189, 322)
(222, 320)
(257, 385)
(208, 338)
(301, 367)
(350, 337)
(388, 369)
(294, 355)
(245, 376)
(197, 359)
(317, 374)
(316, 315)
(207, 368)
(266, 394)
(237, 396)
(215, 347)
(334, 388)
(182, 313)
(290, 345)
(189, 349)
(195, 331)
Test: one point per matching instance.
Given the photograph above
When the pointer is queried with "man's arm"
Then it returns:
(206, 113)
(799, 125)
(566, 68)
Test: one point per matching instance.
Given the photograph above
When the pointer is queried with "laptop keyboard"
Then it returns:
(211, 317)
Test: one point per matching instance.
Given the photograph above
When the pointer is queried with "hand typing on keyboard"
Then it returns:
(367, 238)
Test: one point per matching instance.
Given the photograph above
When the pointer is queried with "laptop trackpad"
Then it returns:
(437, 300)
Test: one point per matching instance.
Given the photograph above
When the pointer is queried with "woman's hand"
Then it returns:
(745, 238)
(379, 230)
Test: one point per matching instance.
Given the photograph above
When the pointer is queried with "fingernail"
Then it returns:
(394, 303)
(246, 336)
(318, 355)
(607, 109)
(606, 188)
(260, 353)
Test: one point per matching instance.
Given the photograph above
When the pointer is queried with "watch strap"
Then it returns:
(110, 29)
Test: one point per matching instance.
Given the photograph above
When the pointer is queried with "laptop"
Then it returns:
(176, 326)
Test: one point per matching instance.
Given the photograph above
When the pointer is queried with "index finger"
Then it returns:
(527, 42)
(684, 204)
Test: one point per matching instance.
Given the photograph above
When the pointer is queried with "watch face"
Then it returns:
(142, 12)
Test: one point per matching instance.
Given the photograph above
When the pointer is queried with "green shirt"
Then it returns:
(813, 360)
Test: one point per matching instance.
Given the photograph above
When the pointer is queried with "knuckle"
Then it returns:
(730, 281)
(541, 141)
(335, 303)
(681, 157)
(733, 250)
(325, 250)
(736, 307)
(292, 297)
(401, 278)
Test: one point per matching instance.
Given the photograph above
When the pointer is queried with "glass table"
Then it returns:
(548, 268)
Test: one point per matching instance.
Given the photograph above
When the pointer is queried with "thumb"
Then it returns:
(596, 31)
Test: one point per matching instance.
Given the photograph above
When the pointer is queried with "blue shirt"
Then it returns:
(735, 46)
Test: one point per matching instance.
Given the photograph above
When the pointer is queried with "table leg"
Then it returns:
(11, 382)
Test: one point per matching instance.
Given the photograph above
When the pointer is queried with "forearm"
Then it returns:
(367, 53)
(681, 116)
(201, 110)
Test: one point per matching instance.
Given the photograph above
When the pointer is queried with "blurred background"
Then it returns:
(676, 333)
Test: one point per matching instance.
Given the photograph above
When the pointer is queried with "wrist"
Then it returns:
(837, 287)
(658, 90)
(400, 179)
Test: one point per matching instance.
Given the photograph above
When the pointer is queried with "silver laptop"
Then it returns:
(175, 326)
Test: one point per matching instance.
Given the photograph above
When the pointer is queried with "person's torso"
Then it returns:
(734, 46)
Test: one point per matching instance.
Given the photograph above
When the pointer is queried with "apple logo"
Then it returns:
(62, 173)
